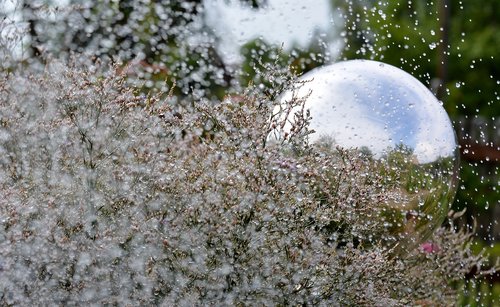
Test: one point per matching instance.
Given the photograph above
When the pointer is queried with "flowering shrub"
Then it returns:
(110, 197)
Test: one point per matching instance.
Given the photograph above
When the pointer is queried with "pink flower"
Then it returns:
(429, 247)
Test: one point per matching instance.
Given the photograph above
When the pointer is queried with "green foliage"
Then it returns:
(411, 35)
(474, 60)
(478, 293)
(395, 32)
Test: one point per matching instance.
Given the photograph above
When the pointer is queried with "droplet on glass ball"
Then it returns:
(396, 122)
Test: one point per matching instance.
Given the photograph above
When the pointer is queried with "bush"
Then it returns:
(110, 197)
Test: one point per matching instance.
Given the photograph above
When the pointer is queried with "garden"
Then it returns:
(249, 152)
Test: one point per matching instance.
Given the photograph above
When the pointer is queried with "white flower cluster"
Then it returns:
(110, 197)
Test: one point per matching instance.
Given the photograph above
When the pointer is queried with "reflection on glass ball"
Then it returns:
(393, 120)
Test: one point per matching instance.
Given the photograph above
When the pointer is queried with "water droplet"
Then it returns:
(432, 46)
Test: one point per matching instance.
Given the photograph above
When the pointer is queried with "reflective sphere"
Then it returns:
(395, 122)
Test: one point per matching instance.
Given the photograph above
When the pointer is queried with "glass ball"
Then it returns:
(392, 120)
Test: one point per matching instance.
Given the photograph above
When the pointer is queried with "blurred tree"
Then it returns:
(168, 38)
(412, 35)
